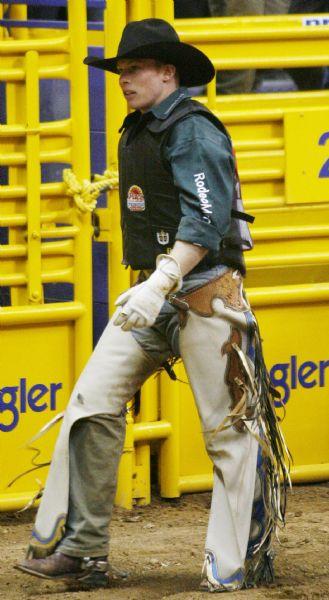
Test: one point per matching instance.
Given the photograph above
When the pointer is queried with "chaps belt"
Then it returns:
(226, 287)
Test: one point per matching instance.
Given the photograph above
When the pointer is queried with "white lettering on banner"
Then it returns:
(202, 192)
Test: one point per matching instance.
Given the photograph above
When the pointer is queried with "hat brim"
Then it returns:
(194, 66)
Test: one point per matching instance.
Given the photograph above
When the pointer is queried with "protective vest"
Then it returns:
(150, 207)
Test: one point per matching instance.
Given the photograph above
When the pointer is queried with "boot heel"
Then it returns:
(95, 579)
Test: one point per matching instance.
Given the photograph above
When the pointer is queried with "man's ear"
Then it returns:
(169, 72)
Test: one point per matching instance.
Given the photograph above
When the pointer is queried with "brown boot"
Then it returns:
(92, 571)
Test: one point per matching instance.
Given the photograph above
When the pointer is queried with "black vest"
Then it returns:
(150, 207)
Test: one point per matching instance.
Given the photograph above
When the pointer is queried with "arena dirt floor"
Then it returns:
(161, 545)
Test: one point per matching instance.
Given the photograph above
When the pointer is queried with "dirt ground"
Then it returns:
(162, 546)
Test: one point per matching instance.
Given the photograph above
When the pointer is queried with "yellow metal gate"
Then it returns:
(282, 143)
(46, 240)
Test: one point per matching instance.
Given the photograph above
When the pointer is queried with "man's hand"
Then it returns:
(142, 303)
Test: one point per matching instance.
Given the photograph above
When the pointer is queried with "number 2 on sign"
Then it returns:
(324, 171)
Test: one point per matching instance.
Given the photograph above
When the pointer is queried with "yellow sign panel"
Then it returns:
(297, 357)
(307, 156)
(36, 380)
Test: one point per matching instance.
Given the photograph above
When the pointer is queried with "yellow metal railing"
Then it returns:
(49, 241)
(257, 42)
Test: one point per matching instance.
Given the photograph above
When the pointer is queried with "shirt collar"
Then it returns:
(163, 110)
(160, 111)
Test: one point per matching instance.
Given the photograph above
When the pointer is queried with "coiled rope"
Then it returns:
(85, 193)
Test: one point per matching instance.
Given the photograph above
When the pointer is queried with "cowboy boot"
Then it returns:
(94, 571)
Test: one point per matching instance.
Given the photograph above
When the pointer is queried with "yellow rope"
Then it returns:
(85, 193)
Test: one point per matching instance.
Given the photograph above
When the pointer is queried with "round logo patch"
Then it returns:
(135, 200)
(163, 237)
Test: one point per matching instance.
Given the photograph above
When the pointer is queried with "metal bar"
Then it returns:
(62, 248)
(45, 313)
(90, 3)
(20, 220)
(294, 54)
(7, 192)
(203, 483)
(13, 251)
(59, 216)
(60, 232)
(170, 448)
(16, 501)
(250, 107)
(115, 21)
(233, 43)
(40, 24)
(265, 145)
(300, 474)
(288, 259)
(13, 280)
(16, 113)
(260, 28)
(56, 188)
(51, 128)
(56, 72)
(310, 473)
(33, 179)
(139, 9)
(298, 231)
(34, 23)
(45, 45)
(164, 10)
(68, 231)
(289, 294)
(211, 94)
(156, 430)
(148, 413)
(12, 158)
(13, 220)
(260, 174)
(62, 155)
(127, 470)
(274, 202)
(19, 13)
(196, 483)
(58, 276)
(79, 102)
(20, 279)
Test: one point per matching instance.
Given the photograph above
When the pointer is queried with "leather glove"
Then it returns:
(142, 303)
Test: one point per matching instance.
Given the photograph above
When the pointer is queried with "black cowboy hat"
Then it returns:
(157, 39)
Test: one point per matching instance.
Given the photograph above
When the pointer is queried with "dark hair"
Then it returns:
(161, 63)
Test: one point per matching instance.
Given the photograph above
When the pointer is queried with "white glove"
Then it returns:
(142, 303)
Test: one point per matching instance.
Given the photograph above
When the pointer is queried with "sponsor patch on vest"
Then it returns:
(163, 237)
(135, 199)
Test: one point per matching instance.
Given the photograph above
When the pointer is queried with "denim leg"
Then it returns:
(95, 449)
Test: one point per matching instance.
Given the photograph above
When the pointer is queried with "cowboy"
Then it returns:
(184, 229)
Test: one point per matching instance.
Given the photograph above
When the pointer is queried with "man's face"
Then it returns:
(144, 83)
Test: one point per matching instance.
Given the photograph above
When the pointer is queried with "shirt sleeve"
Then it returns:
(201, 161)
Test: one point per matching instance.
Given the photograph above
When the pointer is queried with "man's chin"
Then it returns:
(135, 106)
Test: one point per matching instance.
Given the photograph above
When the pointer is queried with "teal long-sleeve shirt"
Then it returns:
(201, 161)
